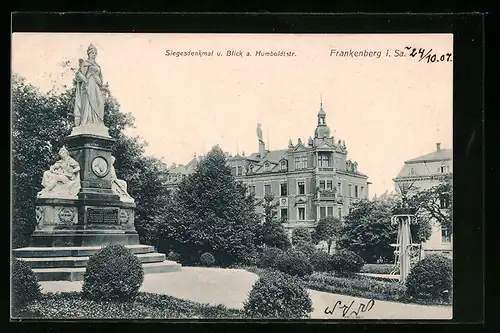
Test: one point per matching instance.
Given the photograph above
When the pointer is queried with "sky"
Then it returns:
(386, 109)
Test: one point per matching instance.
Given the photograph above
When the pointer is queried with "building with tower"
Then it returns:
(311, 180)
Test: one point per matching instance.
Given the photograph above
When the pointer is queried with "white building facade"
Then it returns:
(422, 173)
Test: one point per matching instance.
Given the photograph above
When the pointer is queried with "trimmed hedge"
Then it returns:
(431, 279)
(307, 248)
(346, 262)
(145, 306)
(25, 286)
(321, 261)
(278, 295)
(358, 286)
(207, 259)
(294, 263)
(269, 257)
(113, 273)
(378, 268)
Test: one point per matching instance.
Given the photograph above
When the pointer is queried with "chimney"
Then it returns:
(438, 146)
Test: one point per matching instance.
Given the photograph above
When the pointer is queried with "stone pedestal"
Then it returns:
(70, 228)
(97, 216)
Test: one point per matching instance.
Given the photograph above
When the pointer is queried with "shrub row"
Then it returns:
(145, 306)
(378, 268)
(356, 286)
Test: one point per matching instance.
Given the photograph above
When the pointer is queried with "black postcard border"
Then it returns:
(468, 119)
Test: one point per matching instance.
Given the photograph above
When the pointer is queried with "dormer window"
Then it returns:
(283, 165)
(251, 167)
(267, 167)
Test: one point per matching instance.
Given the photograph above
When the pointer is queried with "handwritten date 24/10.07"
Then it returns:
(350, 309)
(424, 54)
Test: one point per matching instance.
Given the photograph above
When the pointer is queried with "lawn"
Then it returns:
(70, 305)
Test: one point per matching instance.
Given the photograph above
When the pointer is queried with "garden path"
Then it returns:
(230, 287)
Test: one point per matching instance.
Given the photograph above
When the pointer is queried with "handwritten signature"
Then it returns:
(350, 309)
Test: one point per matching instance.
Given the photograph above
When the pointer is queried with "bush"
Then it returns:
(269, 257)
(207, 259)
(430, 279)
(358, 286)
(301, 236)
(307, 248)
(25, 286)
(294, 262)
(346, 262)
(145, 306)
(276, 295)
(113, 273)
(321, 261)
(379, 268)
(173, 256)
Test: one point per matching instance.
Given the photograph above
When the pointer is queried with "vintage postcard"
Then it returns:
(232, 176)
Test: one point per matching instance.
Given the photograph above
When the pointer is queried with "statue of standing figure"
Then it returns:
(259, 131)
(62, 180)
(89, 96)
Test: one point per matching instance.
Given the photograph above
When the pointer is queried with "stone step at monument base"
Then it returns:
(68, 263)
(76, 274)
(65, 262)
(72, 251)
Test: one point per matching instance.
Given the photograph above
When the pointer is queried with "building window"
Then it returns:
(340, 213)
(304, 162)
(252, 189)
(356, 193)
(445, 169)
(240, 171)
(267, 167)
(362, 191)
(350, 191)
(322, 184)
(297, 163)
(267, 189)
(339, 188)
(324, 160)
(445, 236)
(284, 215)
(233, 171)
(283, 189)
(283, 165)
(301, 187)
(412, 171)
(329, 211)
(329, 185)
(322, 212)
(302, 213)
(444, 201)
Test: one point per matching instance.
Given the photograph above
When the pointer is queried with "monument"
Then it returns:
(83, 206)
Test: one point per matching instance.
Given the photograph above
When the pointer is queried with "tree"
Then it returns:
(271, 232)
(328, 230)
(368, 230)
(211, 213)
(434, 203)
(39, 124)
(301, 236)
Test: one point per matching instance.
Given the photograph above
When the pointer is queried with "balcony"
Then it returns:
(325, 169)
(326, 195)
